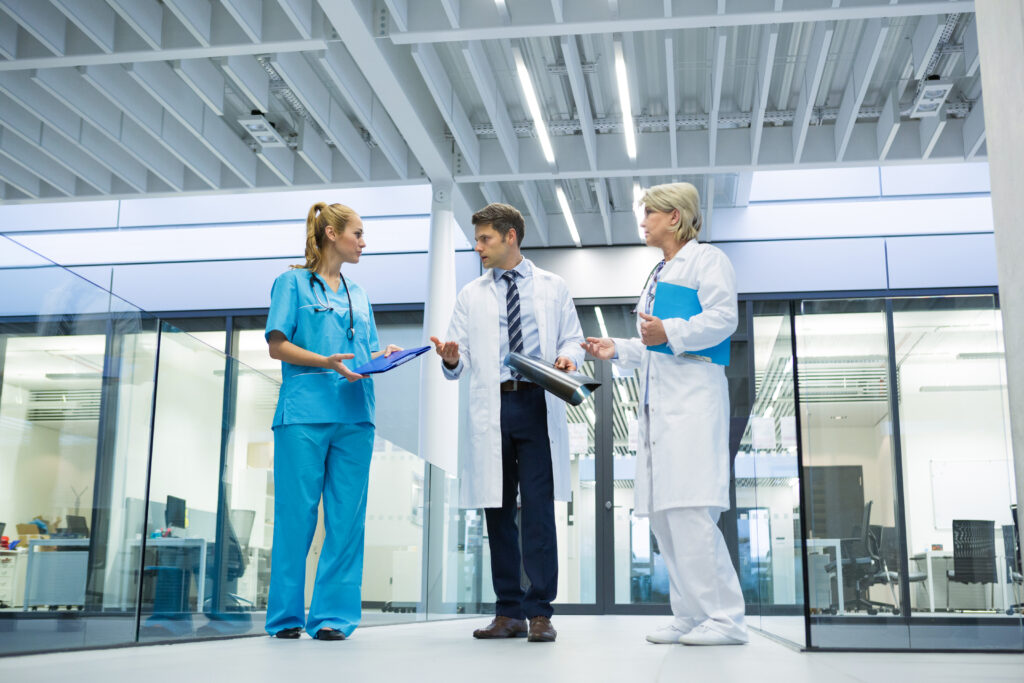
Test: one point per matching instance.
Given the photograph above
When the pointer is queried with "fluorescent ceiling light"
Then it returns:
(625, 102)
(564, 203)
(533, 104)
(638, 211)
(600, 321)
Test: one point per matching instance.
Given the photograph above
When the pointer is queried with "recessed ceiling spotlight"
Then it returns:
(262, 130)
(930, 99)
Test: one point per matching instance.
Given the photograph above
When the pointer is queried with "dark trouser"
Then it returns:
(526, 466)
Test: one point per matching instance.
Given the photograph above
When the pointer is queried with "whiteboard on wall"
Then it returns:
(972, 489)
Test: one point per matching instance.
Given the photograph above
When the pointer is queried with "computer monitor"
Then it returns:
(174, 512)
(2, 526)
(77, 526)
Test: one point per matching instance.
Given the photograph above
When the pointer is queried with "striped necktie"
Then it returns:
(515, 328)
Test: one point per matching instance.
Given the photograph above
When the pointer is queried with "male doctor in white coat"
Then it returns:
(682, 468)
(519, 436)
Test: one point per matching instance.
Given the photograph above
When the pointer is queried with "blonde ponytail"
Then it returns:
(320, 216)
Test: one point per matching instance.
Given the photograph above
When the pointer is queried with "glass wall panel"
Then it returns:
(958, 474)
(76, 378)
(849, 476)
(768, 527)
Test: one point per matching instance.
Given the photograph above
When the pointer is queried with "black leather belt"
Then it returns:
(517, 385)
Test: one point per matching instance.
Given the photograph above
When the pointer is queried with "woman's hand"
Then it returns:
(449, 351)
(564, 364)
(601, 348)
(391, 348)
(334, 362)
(652, 331)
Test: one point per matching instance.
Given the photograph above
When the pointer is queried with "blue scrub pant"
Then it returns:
(310, 460)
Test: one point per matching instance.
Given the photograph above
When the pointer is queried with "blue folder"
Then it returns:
(382, 364)
(676, 301)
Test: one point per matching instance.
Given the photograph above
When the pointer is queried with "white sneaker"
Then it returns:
(666, 635)
(703, 635)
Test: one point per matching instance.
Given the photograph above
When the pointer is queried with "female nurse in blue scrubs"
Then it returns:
(323, 428)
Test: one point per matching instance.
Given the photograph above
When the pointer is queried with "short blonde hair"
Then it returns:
(682, 197)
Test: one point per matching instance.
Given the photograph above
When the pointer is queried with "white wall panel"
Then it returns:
(808, 265)
(935, 179)
(942, 261)
(823, 183)
(58, 216)
(853, 218)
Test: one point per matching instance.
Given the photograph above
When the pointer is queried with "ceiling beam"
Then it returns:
(358, 93)
(70, 88)
(578, 85)
(251, 79)
(8, 40)
(924, 41)
(300, 13)
(451, 108)
(535, 207)
(24, 155)
(931, 129)
(875, 33)
(670, 93)
(249, 16)
(94, 19)
(493, 99)
(114, 83)
(972, 57)
(604, 207)
(196, 16)
(888, 124)
(974, 130)
(325, 110)
(733, 157)
(47, 142)
(177, 98)
(821, 40)
(146, 17)
(16, 176)
(766, 60)
(167, 55)
(718, 47)
(744, 182)
(20, 88)
(40, 19)
(426, 22)
(205, 79)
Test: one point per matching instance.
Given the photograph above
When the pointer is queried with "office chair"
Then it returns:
(888, 559)
(1011, 546)
(860, 564)
(974, 554)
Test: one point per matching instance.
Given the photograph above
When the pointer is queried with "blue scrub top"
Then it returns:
(316, 395)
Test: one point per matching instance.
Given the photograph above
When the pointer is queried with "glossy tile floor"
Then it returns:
(605, 648)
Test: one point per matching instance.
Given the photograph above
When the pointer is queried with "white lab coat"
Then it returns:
(686, 463)
(475, 326)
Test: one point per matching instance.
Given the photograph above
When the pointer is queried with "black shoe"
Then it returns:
(329, 634)
(290, 633)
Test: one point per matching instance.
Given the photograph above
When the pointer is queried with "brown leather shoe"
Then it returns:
(541, 630)
(502, 627)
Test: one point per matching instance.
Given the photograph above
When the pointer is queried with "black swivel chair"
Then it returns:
(859, 557)
(974, 554)
(889, 562)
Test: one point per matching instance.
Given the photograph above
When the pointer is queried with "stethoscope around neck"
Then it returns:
(324, 304)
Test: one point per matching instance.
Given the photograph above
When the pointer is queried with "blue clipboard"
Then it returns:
(382, 364)
(676, 301)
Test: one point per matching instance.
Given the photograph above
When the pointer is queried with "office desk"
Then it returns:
(56, 578)
(837, 545)
(948, 555)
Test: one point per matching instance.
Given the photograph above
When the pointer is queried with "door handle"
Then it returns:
(607, 505)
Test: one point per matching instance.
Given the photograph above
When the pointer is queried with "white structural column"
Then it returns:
(439, 397)
(1001, 44)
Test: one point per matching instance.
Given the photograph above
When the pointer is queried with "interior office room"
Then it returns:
(158, 159)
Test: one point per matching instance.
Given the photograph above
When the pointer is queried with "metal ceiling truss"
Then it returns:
(125, 98)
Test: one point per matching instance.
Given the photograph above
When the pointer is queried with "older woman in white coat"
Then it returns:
(682, 473)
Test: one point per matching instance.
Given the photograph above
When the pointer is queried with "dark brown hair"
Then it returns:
(502, 217)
